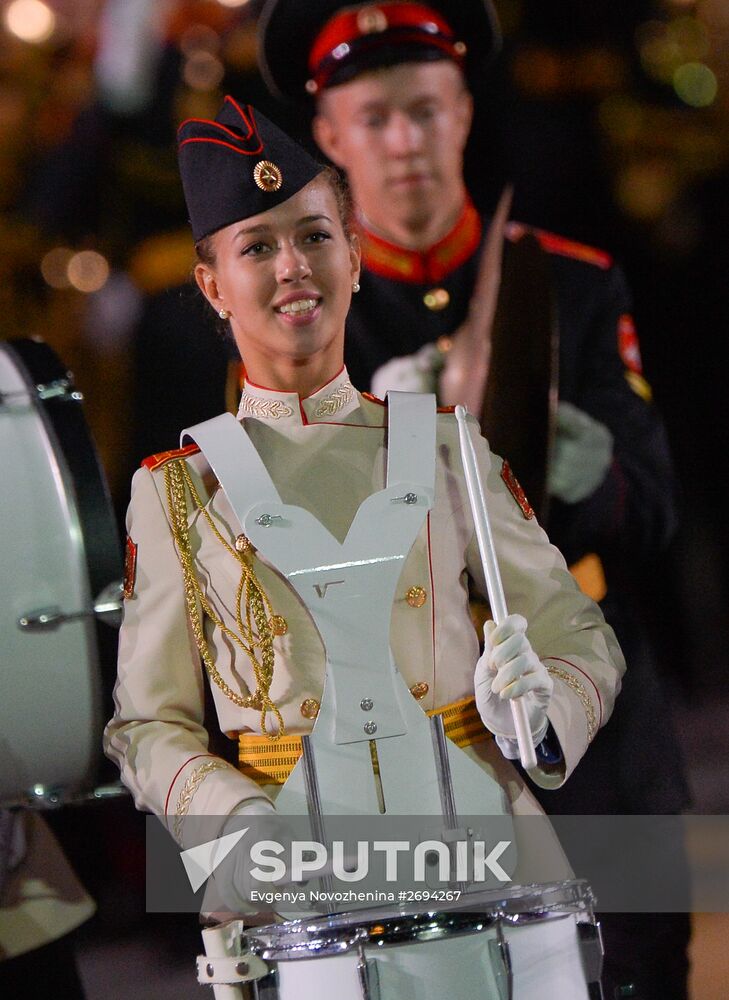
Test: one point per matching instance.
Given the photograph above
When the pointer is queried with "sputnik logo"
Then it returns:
(200, 862)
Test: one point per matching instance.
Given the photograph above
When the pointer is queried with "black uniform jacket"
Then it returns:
(634, 766)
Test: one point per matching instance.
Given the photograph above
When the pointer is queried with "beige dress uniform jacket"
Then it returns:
(326, 453)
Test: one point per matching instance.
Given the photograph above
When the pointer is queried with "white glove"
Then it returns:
(509, 668)
(232, 879)
(583, 451)
(414, 373)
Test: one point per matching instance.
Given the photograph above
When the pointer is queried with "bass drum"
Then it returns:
(58, 578)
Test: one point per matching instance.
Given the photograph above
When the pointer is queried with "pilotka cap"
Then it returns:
(238, 165)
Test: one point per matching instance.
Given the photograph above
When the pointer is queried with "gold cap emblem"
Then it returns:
(371, 20)
(267, 176)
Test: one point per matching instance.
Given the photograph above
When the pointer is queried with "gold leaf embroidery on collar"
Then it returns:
(257, 407)
(331, 404)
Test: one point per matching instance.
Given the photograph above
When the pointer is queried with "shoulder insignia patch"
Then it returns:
(512, 484)
(628, 346)
(560, 245)
(155, 461)
(130, 569)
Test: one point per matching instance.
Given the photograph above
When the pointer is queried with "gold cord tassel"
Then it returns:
(256, 631)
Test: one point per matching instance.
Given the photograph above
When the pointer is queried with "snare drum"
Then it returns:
(59, 550)
(537, 942)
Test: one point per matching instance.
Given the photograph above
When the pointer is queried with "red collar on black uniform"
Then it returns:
(423, 267)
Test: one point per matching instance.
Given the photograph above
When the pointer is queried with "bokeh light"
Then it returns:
(203, 71)
(88, 271)
(665, 46)
(233, 3)
(645, 189)
(199, 37)
(30, 20)
(695, 84)
(54, 267)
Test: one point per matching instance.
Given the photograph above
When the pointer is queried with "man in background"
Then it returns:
(533, 331)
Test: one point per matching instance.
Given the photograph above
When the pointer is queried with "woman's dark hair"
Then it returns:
(338, 184)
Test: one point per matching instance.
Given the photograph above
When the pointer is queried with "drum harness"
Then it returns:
(368, 720)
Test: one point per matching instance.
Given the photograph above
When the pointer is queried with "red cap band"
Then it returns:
(375, 23)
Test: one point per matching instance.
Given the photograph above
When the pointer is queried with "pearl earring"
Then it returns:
(224, 314)
(355, 287)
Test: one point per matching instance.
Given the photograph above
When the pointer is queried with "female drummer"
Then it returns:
(205, 612)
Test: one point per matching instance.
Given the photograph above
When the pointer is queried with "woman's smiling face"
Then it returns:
(285, 278)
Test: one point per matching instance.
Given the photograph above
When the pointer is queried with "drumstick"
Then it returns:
(493, 577)
(465, 375)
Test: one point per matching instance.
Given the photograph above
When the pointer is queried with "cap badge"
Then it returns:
(371, 20)
(267, 176)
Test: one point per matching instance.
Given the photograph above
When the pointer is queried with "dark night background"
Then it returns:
(611, 117)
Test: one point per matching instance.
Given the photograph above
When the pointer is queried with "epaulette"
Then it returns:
(161, 457)
(560, 245)
(381, 402)
(373, 399)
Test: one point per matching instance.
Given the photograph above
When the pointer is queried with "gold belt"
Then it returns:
(271, 763)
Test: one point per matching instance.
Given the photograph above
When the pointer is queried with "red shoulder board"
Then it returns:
(155, 461)
(512, 484)
(446, 409)
(373, 399)
(562, 246)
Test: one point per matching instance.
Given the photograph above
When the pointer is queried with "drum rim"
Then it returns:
(331, 935)
(85, 486)
(92, 527)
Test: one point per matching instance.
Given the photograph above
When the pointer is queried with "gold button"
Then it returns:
(279, 625)
(416, 597)
(436, 299)
(419, 690)
(310, 708)
(242, 543)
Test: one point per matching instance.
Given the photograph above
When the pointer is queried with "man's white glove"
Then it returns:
(509, 668)
(233, 882)
(414, 373)
(583, 451)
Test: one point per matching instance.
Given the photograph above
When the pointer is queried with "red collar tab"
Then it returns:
(423, 267)
(352, 33)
